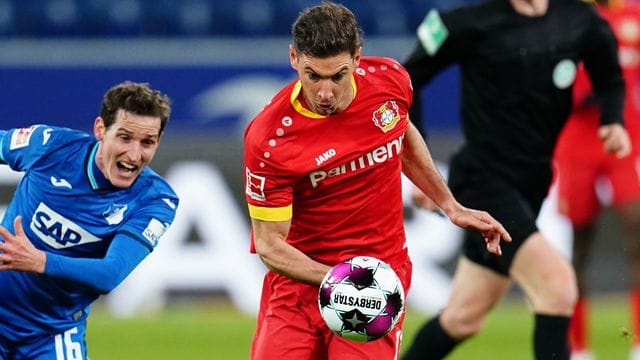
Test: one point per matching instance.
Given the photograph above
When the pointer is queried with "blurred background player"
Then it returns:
(323, 164)
(87, 211)
(518, 63)
(581, 164)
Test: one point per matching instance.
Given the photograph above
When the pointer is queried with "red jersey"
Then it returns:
(580, 157)
(337, 178)
(581, 128)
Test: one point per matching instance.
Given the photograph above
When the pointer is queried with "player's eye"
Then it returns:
(337, 77)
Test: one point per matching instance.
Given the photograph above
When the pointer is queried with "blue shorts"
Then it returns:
(68, 345)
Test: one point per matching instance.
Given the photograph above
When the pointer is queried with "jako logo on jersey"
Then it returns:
(115, 213)
(154, 231)
(387, 116)
(60, 183)
(372, 158)
(20, 137)
(57, 231)
(325, 156)
(45, 136)
(254, 186)
(169, 203)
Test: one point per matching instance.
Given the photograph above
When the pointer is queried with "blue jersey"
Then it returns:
(70, 210)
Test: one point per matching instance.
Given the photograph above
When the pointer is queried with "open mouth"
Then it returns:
(126, 168)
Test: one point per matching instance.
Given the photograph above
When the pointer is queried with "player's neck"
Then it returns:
(530, 7)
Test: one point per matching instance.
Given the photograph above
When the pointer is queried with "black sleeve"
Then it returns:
(418, 80)
(430, 56)
(603, 67)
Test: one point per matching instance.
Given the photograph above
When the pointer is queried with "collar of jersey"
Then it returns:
(96, 179)
(295, 102)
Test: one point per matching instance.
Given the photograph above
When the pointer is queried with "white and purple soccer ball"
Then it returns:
(361, 299)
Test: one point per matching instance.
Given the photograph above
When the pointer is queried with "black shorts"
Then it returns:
(516, 208)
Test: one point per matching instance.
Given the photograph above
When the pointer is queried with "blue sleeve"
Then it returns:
(21, 148)
(3, 134)
(105, 274)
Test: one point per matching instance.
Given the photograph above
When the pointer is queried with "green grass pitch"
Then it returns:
(216, 331)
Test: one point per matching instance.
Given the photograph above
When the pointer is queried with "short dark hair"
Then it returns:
(137, 98)
(326, 30)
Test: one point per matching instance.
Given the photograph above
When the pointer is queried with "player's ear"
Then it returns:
(356, 56)
(99, 128)
(293, 57)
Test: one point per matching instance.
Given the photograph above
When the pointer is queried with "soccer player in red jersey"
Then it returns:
(579, 171)
(323, 164)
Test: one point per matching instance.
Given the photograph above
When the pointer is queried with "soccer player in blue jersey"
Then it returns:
(87, 211)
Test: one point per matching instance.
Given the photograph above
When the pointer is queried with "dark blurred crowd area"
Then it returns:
(196, 18)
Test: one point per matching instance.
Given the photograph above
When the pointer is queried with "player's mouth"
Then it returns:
(126, 168)
(325, 109)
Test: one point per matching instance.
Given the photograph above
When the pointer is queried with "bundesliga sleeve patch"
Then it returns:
(20, 137)
(432, 32)
(255, 186)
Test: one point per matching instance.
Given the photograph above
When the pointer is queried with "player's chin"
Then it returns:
(124, 182)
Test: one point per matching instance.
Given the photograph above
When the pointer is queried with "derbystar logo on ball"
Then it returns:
(361, 299)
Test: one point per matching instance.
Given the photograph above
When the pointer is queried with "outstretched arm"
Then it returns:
(419, 167)
(124, 254)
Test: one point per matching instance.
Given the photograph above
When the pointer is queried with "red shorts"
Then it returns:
(577, 177)
(290, 326)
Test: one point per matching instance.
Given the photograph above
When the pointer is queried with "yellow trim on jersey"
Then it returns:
(354, 87)
(271, 213)
(306, 112)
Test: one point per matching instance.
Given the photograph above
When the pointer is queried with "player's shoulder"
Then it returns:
(466, 20)
(64, 134)
(47, 139)
(381, 70)
(385, 65)
(152, 189)
(273, 114)
(156, 183)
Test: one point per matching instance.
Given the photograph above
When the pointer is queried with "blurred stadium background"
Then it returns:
(220, 62)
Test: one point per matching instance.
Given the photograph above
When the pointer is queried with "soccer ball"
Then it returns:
(361, 299)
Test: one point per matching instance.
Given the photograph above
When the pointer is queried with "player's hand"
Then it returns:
(615, 140)
(18, 253)
(492, 231)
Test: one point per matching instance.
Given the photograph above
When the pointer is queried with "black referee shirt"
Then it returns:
(517, 76)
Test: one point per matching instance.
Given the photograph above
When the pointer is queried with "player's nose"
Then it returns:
(325, 92)
(134, 152)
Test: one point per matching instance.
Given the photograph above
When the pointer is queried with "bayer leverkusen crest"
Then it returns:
(386, 116)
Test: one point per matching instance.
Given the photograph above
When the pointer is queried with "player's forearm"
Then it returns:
(420, 168)
(102, 274)
(286, 260)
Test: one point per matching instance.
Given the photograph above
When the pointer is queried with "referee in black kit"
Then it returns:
(518, 61)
